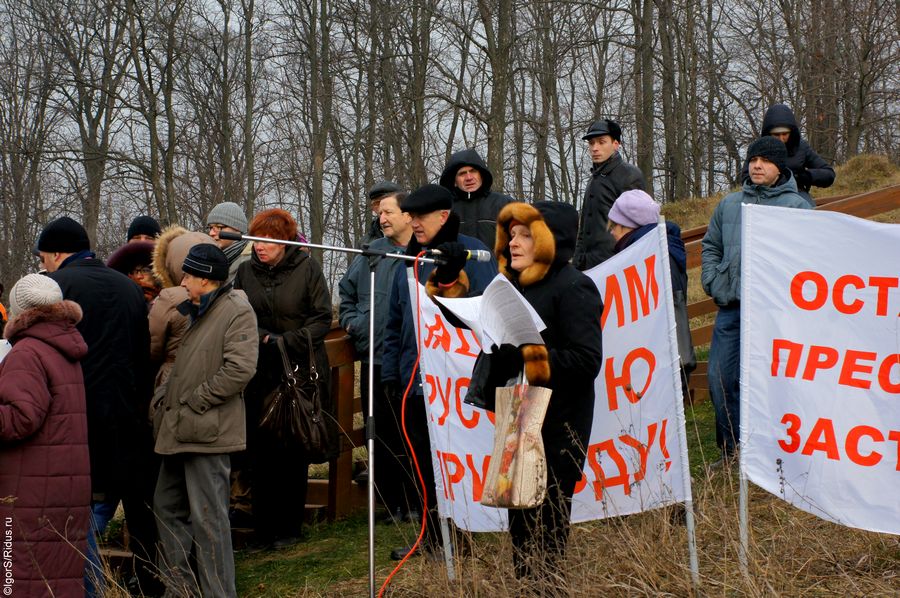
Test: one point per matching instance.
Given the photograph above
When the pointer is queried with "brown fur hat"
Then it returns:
(274, 223)
(171, 248)
(544, 243)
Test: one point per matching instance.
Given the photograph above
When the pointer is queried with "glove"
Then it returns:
(455, 255)
(506, 360)
(391, 391)
(804, 179)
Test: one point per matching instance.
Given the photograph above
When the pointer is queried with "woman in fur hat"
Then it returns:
(45, 477)
(133, 259)
(533, 248)
(167, 324)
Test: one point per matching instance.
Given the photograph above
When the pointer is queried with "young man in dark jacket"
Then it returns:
(467, 176)
(434, 227)
(808, 168)
(610, 176)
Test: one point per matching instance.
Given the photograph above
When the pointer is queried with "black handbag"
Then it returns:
(292, 413)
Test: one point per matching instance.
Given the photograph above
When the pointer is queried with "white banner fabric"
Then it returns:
(820, 363)
(637, 457)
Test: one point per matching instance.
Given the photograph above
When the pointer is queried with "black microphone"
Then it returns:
(477, 255)
(230, 236)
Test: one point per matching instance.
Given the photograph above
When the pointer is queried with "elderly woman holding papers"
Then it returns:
(533, 248)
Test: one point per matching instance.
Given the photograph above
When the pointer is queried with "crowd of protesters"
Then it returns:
(140, 381)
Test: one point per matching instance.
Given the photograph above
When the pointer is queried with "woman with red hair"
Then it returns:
(289, 294)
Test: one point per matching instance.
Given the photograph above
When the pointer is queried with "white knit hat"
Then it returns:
(33, 290)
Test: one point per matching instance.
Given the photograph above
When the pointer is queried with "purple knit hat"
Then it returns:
(634, 209)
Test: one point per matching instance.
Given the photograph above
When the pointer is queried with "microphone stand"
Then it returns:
(370, 422)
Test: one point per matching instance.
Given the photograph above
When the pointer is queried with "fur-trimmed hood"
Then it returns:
(553, 227)
(171, 248)
(53, 324)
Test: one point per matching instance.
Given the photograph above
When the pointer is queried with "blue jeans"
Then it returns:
(101, 514)
(725, 377)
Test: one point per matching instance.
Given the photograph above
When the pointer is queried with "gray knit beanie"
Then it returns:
(33, 290)
(229, 214)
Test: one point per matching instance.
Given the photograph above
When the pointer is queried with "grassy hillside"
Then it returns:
(862, 173)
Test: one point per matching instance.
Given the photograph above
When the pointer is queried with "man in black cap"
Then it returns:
(434, 227)
(198, 420)
(770, 183)
(610, 176)
(143, 228)
(467, 176)
(378, 192)
(118, 383)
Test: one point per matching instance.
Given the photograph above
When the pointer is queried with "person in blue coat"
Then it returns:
(772, 184)
(434, 227)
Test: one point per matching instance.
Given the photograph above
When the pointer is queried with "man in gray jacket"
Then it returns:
(772, 184)
(354, 292)
(198, 419)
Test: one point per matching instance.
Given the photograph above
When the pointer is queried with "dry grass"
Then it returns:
(791, 554)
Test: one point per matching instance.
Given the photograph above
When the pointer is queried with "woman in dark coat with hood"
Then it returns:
(533, 249)
(45, 474)
(289, 294)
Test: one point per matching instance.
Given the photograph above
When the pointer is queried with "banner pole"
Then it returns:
(746, 275)
(690, 524)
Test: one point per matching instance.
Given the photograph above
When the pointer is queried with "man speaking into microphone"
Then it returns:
(458, 273)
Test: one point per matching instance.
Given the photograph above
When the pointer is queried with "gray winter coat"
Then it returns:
(721, 247)
(354, 293)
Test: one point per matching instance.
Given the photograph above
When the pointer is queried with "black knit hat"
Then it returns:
(382, 189)
(63, 235)
(604, 126)
(429, 198)
(771, 149)
(143, 225)
(206, 261)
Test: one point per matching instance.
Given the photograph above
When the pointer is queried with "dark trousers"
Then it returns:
(392, 483)
(725, 377)
(417, 429)
(280, 483)
(539, 535)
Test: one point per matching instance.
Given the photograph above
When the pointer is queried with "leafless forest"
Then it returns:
(111, 108)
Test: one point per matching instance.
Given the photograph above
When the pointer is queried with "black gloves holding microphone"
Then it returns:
(455, 255)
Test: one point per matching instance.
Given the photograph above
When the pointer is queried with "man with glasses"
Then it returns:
(229, 217)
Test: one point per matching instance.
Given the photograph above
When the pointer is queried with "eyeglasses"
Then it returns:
(142, 270)
(217, 227)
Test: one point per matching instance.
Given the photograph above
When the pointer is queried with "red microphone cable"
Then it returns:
(406, 436)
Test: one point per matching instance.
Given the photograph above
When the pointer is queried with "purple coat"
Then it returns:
(45, 481)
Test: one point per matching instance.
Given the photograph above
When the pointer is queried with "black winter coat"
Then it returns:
(118, 379)
(287, 298)
(809, 169)
(570, 305)
(477, 211)
(608, 180)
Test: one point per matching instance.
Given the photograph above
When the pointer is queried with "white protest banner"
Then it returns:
(820, 363)
(462, 436)
(637, 457)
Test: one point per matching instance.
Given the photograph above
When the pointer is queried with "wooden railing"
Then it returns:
(862, 205)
